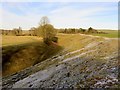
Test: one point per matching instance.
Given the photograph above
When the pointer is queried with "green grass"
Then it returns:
(110, 34)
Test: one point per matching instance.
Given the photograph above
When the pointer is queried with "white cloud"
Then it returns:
(69, 17)
(63, 17)
(11, 20)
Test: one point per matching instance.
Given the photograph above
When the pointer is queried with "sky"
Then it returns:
(99, 15)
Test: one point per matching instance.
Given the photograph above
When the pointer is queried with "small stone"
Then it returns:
(68, 74)
(30, 85)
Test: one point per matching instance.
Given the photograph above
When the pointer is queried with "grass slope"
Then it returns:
(22, 52)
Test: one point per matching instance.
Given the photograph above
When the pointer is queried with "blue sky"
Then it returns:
(99, 15)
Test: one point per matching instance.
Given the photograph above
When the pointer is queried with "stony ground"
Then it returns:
(93, 66)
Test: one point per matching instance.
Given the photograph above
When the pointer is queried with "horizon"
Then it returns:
(65, 28)
(98, 15)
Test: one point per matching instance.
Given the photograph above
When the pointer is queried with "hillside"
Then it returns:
(86, 62)
(20, 52)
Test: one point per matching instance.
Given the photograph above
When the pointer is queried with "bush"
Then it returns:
(55, 39)
(47, 41)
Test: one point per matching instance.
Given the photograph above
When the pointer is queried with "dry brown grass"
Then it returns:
(17, 40)
(74, 42)
(28, 51)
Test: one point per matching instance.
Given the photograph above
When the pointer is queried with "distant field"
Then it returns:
(110, 34)
(18, 40)
(67, 41)
(13, 40)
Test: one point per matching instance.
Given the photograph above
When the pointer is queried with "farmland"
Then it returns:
(109, 34)
(13, 40)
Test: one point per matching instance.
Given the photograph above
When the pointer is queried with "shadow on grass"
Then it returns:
(19, 57)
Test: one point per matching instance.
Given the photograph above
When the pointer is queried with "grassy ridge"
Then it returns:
(22, 52)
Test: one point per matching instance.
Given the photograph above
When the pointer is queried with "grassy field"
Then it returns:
(110, 33)
(18, 40)
(20, 52)
(70, 42)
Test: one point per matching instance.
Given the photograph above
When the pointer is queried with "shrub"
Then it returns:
(46, 30)
(47, 41)
(55, 39)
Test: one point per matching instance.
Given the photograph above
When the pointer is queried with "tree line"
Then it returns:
(15, 32)
(80, 30)
(47, 31)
